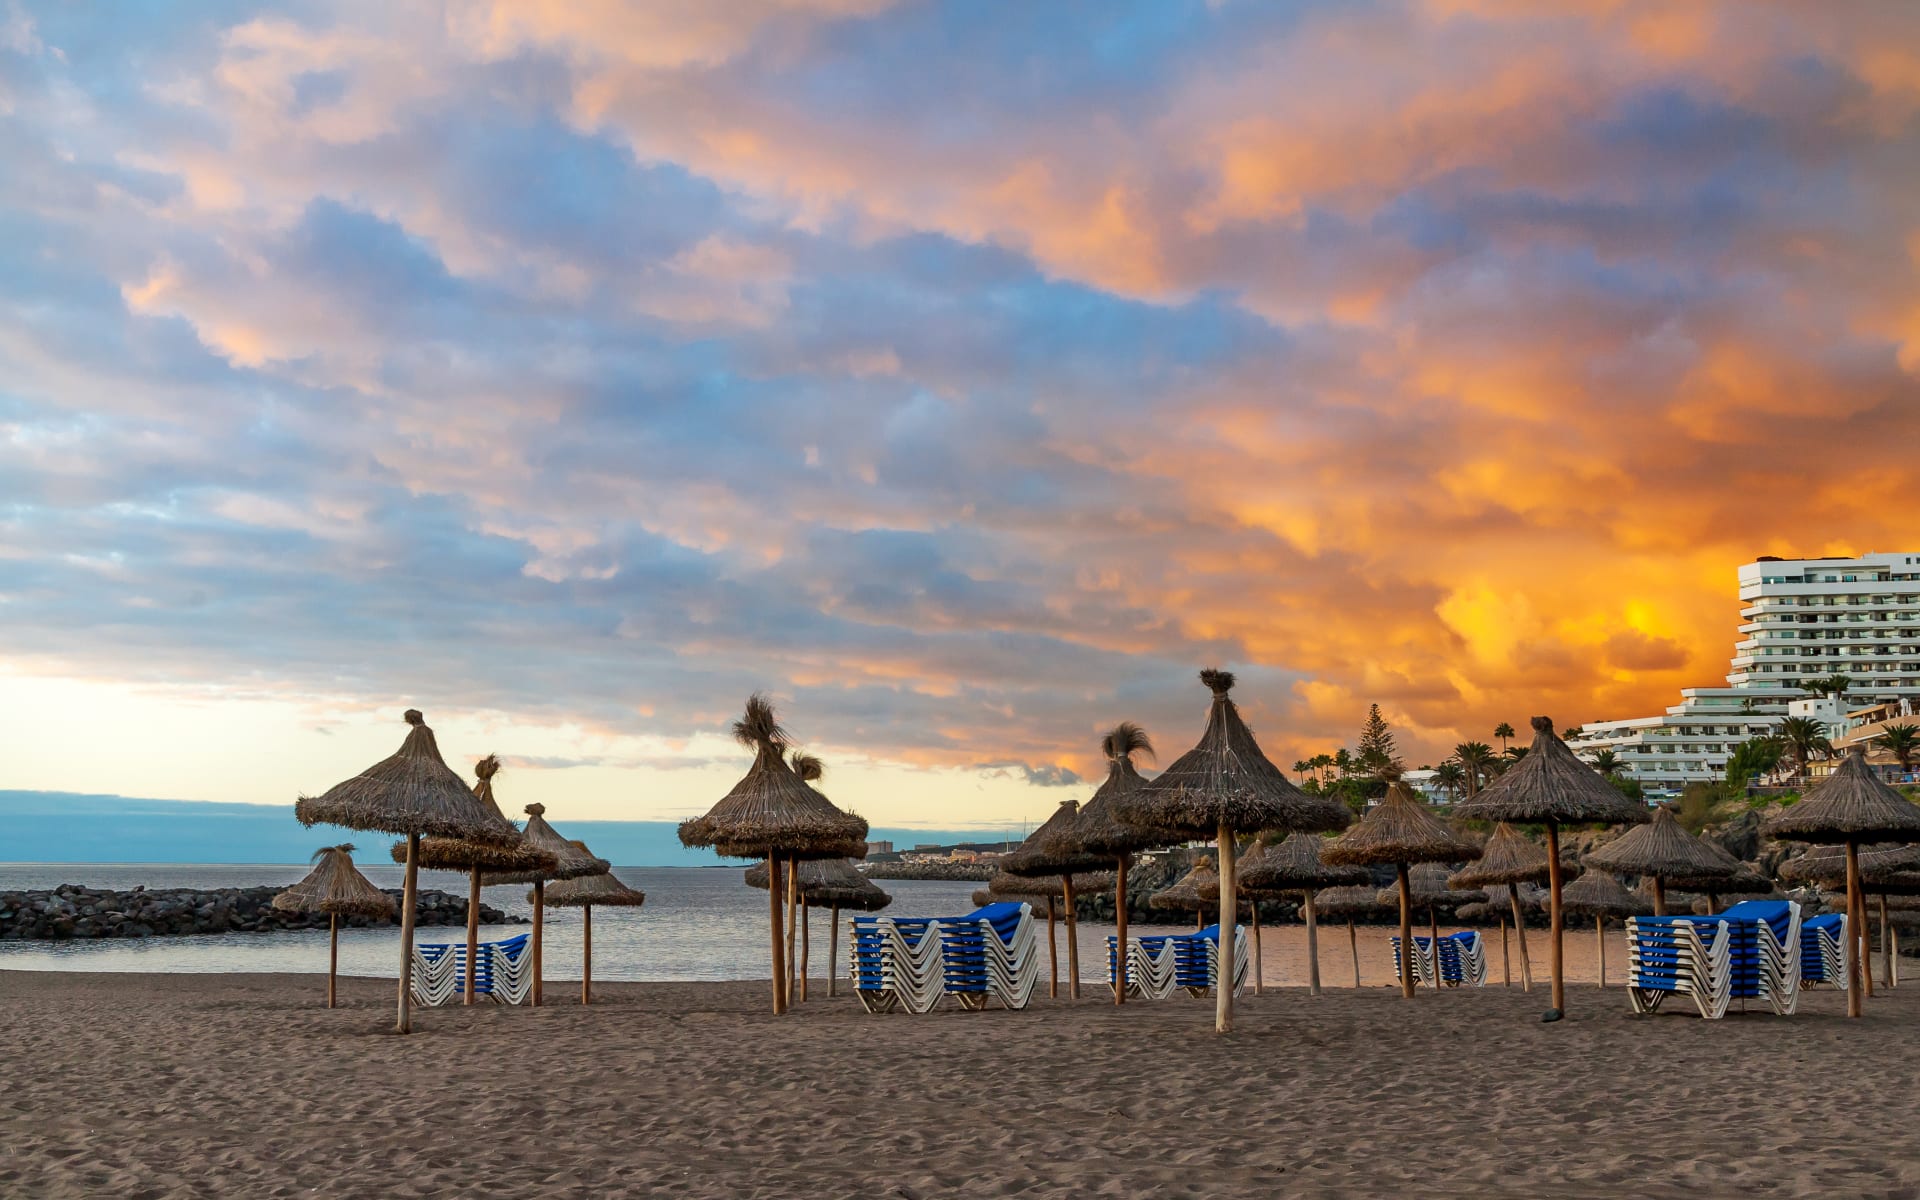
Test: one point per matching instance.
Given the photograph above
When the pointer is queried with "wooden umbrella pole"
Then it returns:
(473, 933)
(1893, 942)
(793, 923)
(1353, 944)
(1659, 896)
(1073, 937)
(1229, 912)
(409, 896)
(1556, 951)
(1433, 944)
(586, 954)
(1313, 947)
(1506, 962)
(333, 953)
(1520, 935)
(1600, 939)
(1886, 944)
(1120, 933)
(806, 933)
(1406, 934)
(539, 934)
(773, 924)
(1200, 918)
(1053, 953)
(833, 953)
(1258, 969)
(1856, 916)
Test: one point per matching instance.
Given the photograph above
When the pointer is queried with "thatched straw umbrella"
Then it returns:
(414, 793)
(1221, 787)
(474, 857)
(1399, 830)
(1293, 865)
(571, 861)
(1666, 853)
(1428, 887)
(1552, 787)
(1055, 849)
(1184, 894)
(584, 892)
(335, 887)
(1599, 895)
(833, 883)
(1002, 888)
(1349, 902)
(772, 814)
(1849, 807)
(1884, 871)
(1101, 831)
(1509, 857)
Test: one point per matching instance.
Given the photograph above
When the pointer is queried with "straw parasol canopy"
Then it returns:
(1294, 865)
(1666, 853)
(571, 859)
(512, 856)
(1100, 829)
(336, 887)
(1598, 894)
(1184, 892)
(1430, 887)
(1551, 786)
(415, 793)
(1827, 865)
(830, 883)
(1399, 830)
(1055, 848)
(595, 890)
(772, 810)
(1358, 900)
(1849, 807)
(1508, 857)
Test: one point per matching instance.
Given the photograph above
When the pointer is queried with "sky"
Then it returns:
(965, 375)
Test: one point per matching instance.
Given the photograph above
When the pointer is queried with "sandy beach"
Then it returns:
(149, 1087)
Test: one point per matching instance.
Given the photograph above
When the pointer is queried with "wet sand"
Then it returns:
(150, 1087)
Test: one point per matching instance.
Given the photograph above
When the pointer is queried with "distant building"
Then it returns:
(1858, 617)
(879, 848)
(1423, 781)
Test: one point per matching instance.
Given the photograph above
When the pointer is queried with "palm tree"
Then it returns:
(1300, 766)
(1320, 764)
(1476, 759)
(1805, 740)
(1607, 763)
(1344, 761)
(1504, 732)
(1903, 742)
(1449, 776)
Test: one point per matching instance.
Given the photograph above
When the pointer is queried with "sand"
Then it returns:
(145, 1086)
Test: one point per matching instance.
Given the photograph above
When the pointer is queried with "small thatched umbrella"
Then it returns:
(1552, 787)
(474, 857)
(1294, 865)
(1599, 895)
(1349, 902)
(1666, 853)
(570, 861)
(1428, 887)
(415, 793)
(1849, 807)
(833, 883)
(772, 814)
(1221, 787)
(1399, 830)
(1884, 871)
(1055, 849)
(335, 887)
(1003, 888)
(1184, 894)
(1509, 857)
(1101, 831)
(583, 892)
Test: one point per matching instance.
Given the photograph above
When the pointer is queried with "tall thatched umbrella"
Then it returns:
(473, 857)
(1666, 853)
(1350, 902)
(1849, 807)
(1055, 849)
(1509, 857)
(584, 892)
(1101, 831)
(833, 883)
(1552, 787)
(1884, 871)
(1399, 830)
(415, 793)
(336, 888)
(1599, 895)
(772, 814)
(571, 860)
(1221, 787)
(1294, 865)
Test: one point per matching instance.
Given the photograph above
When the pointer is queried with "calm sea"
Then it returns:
(697, 924)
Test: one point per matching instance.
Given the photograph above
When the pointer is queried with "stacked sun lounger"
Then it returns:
(1463, 960)
(504, 972)
(1160, 964)
(1751, 951)
(1823, 950)
(915, 962)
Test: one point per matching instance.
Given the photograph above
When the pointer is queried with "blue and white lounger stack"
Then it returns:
(1751, 951)
(1463, 960)
(505, 972)
(1158, 965)
(914, 962)
(1823, 951)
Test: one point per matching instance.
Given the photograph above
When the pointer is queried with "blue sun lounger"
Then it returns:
(503, 974)
(915, 962)
(1751, 951)
(1160, 964)
(1823, 951)
(1463, 959)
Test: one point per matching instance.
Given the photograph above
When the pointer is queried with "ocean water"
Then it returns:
(699, 923)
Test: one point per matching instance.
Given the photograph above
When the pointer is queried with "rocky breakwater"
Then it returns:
(957, 872)
(72, 911)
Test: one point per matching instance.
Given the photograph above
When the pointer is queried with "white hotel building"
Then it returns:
(1858, 617)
